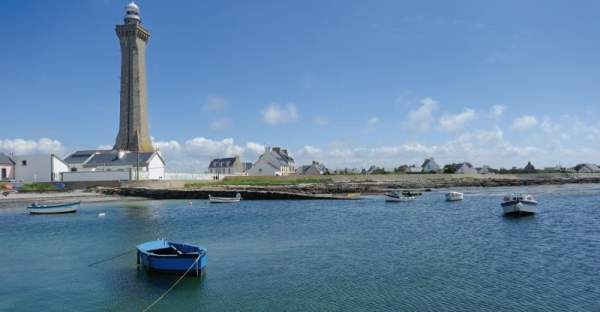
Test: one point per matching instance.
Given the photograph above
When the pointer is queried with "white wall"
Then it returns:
(80, 176)
(156, 168)
(38, 168)
(9, 172)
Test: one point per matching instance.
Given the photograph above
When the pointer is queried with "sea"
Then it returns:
(313, 255)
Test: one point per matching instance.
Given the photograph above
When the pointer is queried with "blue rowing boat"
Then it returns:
(169, 257)
(36, 208)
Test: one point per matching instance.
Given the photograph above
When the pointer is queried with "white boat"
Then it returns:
(454, 196)
(224, 200)
(36, 208)
(397, 197)
(518, 204)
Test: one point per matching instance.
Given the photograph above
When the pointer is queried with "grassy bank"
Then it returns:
(261, 181)
(39, 187)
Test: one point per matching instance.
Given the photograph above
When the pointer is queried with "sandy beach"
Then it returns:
(17, 199)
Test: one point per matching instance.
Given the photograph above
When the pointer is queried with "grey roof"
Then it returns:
(5, 160)
(429, 160)
(111, 158)
(282, 158)
(319, 167)
(80, 157)
(222, 162)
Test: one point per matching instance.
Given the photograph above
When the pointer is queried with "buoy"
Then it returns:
(190, 203)
(102, 214)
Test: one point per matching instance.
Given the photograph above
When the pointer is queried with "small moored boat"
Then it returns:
(169, 257)
(454, 196)
(36, 208)
(518, 204)
(397, 197)
(221, 200)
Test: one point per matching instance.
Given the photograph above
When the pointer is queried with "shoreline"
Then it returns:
(19, 199)
(344, 190)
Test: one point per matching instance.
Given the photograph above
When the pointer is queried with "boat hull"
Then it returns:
(454, 196)
(519, 208)
(53, 209)
(393, 199)
(194, 260)
(223, 200)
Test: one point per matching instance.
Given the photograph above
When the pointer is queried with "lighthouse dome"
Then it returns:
(132, 13)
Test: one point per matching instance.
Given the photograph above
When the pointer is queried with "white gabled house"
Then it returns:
(39, 168)
(429, 165)
(273, 162)
(113, 165)
(315, 168)
(228, 166)
(466, 168)
(7, 168)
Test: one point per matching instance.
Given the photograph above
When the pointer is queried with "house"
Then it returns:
(114, 165)
(413, 169)
(429, 165)
(587, 168)
(231, 165)
(529, 168)
(7, 168)
(485, 170)
(465, 168)
(39, 168)
(246, 166)
(313, 169)
(273, 162)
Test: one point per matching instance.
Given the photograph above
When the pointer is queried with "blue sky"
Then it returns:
(350, 83)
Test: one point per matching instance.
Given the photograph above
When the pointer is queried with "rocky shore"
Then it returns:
(343, 186)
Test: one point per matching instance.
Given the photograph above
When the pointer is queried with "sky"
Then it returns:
(347, 83)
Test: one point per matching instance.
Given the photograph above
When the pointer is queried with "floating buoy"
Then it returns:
(190, 203)
(102, 214)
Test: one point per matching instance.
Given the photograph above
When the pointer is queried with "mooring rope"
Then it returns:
(172, 286)
(111, 258)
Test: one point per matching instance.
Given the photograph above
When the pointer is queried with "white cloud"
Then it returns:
(320, 121)
(220, 124)
(373, 121)
(457, 121)
(105, 147)
(255, 148)
(422, 118)
(524, 122)
(497, 111)
(29, 147)
(193, 155)
(215, 103)
(274, 114)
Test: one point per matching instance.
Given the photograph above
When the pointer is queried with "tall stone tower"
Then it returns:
(133, 126)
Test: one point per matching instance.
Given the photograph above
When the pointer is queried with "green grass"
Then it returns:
(261, 181)
(38, 187)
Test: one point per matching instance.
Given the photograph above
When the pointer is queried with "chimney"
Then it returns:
(276, 150)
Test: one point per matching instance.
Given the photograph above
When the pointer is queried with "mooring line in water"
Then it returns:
(111, 258)
(172, 286)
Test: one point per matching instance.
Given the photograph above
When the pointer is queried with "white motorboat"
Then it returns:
(224, 200)
(36, 208)
(454, 196)
(397, 197)
(518, 204)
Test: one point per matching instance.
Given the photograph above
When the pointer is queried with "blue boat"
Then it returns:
(36, 208)
(169, 257)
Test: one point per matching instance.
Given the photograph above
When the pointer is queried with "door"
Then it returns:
(4, 177)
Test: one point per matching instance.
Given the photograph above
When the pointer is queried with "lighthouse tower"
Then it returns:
(133, 125)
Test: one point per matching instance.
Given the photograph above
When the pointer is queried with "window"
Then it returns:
(73, 169)
(23, 162)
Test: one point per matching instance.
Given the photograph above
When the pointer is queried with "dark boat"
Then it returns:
(169, 257)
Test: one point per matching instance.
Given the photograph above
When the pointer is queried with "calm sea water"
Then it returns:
(365, 255)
